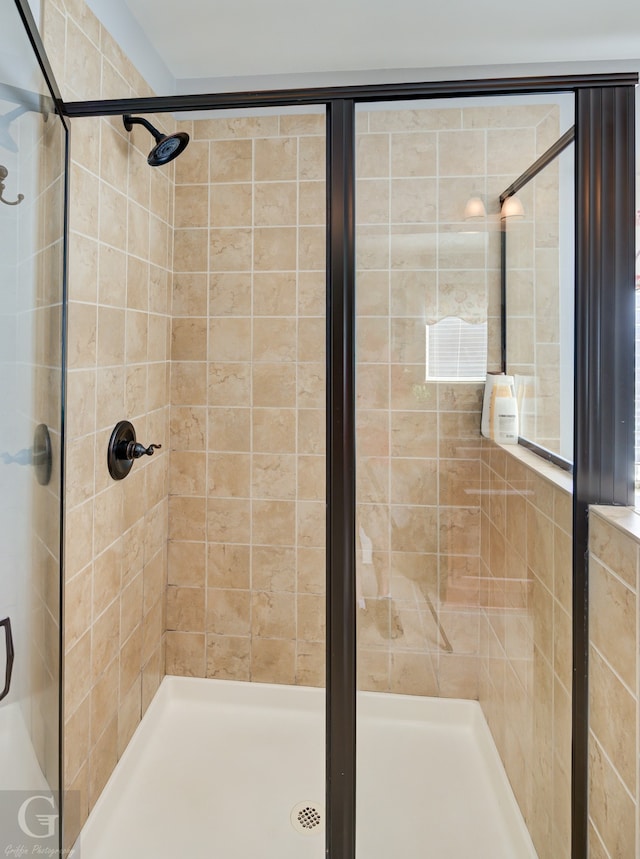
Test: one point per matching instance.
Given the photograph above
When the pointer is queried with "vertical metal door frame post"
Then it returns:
(604, 369)
(341, 477)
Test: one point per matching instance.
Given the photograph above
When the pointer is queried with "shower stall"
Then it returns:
(327, 615)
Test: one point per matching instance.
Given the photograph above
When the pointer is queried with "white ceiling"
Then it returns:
(332, 40)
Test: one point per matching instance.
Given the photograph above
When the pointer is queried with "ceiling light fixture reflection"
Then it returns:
(475, 209)
(512, 208)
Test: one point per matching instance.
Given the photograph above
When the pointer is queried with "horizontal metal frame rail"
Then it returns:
(366, 93)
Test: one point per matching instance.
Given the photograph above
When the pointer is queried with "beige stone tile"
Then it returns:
(311, 386)
(189, 339)
(460, 531)
(104, 699)
(82, 336)
(616, 550)
(613, 607)
(228, 475)
(130, 661)
(230, 249)
(229, 384)
(311, 478)
(273, 615)
(421, 119)
(229, 294)
(230, 339)
(187, 474)
(273, 476)
(276, 159)
(311, 523)
(414, 529)
(188, 427)
(372, 293)
(414, 154)
(274, 294)
(229, 612)
(312, 203)
(193, 167)
(231, 205)
(372, 155)
(228, 566)
(274, 385)
(273, 661)
(459, 482)
(189, 294)
(185, 609)
(413, 201)
(312, 254)
(372, 386)
(105, 639)
(228, 520)
(186, 518)
(231, 161)
(610, 806)
(312, 158)
(274, 248)
(79, 547)
(129, 715)
(77, 738)
(230, 429)
(311, 570)
(311, 617)
(191, 206)
(274, 430)
(275, 204)
(186, 564)
(373, 670)
(102, 760)
(186, 654)
(311, 338)
(412, 674)
(228, 657)
(273, 568)
(107, 578)
(188, 383)
(310, 664)
(608, 696)
(413, 434)
(83, 268)
(274, 339)
(273, 523)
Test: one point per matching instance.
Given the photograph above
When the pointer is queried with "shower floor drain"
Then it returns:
(307, 818)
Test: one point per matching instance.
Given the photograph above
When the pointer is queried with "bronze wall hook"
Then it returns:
(3, 175)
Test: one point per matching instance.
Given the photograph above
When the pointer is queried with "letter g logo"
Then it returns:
(45, 821)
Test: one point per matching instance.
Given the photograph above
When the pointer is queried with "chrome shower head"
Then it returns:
(168, 146)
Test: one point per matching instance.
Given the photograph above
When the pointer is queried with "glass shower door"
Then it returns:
(32, 189)
(463, 577)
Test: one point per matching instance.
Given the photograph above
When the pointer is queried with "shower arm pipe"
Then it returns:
(140, 120)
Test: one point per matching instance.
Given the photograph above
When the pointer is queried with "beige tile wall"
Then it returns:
(246, 535)
(120, 263)
(614, 824)
(525, 634)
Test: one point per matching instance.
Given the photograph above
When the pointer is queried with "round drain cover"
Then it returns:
(307, 818)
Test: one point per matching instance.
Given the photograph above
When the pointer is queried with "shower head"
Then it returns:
(168, 146)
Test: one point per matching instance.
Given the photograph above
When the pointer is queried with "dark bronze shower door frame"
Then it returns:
(604, 351)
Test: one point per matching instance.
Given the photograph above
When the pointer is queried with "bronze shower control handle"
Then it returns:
(124, 449)
(10, 656)
(135, 450)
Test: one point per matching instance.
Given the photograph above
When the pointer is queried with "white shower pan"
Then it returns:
(228, 770)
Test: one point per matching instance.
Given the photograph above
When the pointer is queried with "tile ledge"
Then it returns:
(625, 519)
(554, 474)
